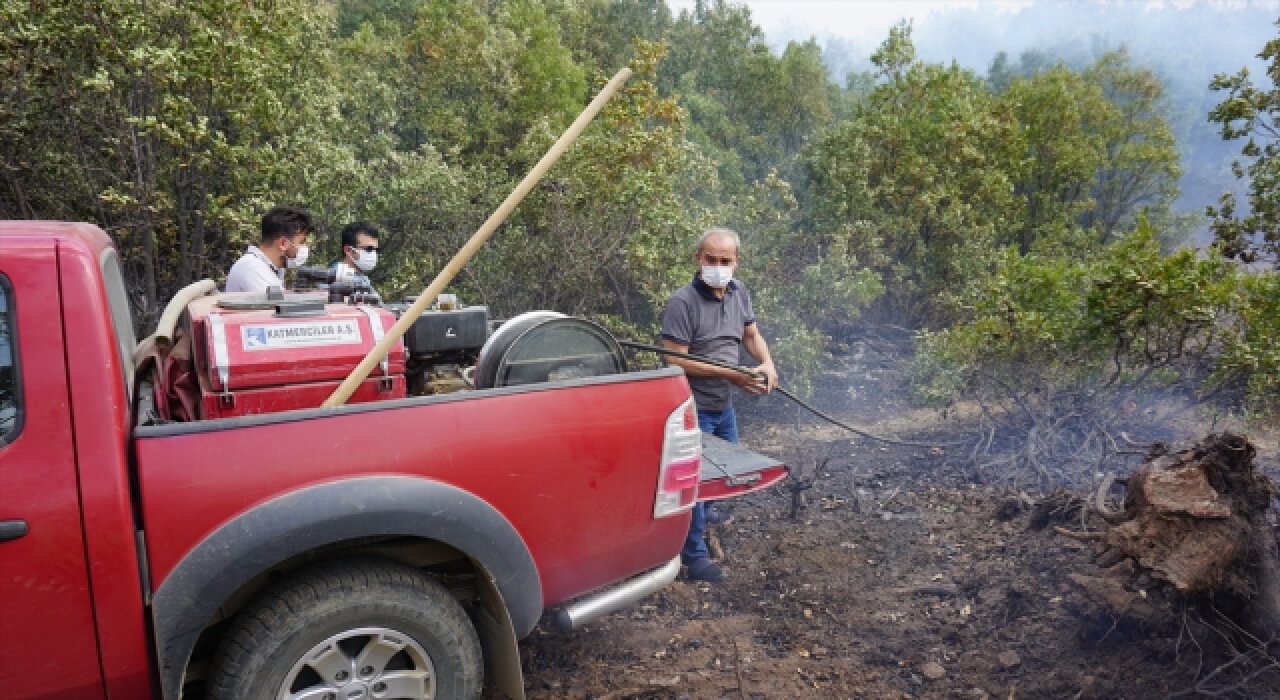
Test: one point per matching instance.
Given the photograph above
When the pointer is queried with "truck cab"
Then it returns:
(73, 590)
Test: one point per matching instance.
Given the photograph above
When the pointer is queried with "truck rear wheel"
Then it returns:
(357, 629)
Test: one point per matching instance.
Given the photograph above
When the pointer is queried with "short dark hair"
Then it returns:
(351, 232)
(285, 220)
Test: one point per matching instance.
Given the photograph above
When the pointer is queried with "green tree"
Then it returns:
(169, 125)
(352, 14)
(1058, 114)
(608, 230)
(1248, 112)
(1140, 168)
(550, 84)
(457, 81)
(1248, 368)
(1054, 349)
(1098, 153)
(919, 178)
(751, 110)
(808, 288)
(602, 33)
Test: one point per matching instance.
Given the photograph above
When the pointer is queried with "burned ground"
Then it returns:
(907, 572)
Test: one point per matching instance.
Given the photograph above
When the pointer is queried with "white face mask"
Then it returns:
(366, 259)
(717, 276)
(299, 258)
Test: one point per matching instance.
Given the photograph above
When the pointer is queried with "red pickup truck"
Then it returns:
(392, 548)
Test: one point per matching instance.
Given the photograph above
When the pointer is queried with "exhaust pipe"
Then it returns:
(582, 611)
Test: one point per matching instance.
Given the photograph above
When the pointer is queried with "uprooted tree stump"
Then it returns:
(1198, 520)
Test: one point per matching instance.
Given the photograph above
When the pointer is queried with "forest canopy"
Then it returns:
(1006, 217)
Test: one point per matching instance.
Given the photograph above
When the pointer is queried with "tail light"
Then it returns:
(678, 474)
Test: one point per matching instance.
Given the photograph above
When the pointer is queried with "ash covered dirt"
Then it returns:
(906, 573)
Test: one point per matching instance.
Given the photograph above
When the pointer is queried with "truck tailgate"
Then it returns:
(729, 470)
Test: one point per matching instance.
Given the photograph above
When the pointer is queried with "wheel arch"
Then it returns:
(313, 518)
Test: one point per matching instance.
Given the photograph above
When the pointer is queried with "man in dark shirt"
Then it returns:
(712, 317)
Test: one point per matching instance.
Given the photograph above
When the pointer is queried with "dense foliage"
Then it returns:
(1056, 350)
(1060, 342)
(1248, 111)
(1024, 218)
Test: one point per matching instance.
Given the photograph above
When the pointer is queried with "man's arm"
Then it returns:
(754, 344)
(693, 368)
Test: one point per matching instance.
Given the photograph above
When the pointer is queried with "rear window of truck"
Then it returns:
(118, 300)
(10, 396)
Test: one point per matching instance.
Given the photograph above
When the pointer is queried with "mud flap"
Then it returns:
(730, 470)
(498, 640)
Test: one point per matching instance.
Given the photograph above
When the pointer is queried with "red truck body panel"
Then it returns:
(46, 569)
(69, 511)
(557, 458)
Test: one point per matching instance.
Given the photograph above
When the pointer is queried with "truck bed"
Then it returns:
(549, 457)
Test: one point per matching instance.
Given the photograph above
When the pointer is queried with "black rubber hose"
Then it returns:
(752, 373)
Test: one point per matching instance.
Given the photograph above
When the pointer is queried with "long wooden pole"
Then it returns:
(464, 254)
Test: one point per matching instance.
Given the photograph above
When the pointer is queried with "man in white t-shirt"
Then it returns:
(285, 230)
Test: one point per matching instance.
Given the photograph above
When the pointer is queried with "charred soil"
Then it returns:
(885, 571)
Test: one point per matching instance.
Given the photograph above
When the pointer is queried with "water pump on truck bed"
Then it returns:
(254, 354)
(251, 360)
(443, 344)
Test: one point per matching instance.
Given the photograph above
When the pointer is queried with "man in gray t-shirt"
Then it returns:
(712, 317)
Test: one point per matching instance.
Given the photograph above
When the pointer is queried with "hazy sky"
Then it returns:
(862, 21)
(967, 30)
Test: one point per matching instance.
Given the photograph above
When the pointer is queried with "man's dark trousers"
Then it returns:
(724, 425)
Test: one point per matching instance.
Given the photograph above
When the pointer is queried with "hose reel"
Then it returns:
(545, 346)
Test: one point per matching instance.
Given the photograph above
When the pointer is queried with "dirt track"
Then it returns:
(900, 578)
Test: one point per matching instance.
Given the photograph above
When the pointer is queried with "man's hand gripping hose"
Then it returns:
(752, 373)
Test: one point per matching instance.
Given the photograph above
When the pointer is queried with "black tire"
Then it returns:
(350, 607)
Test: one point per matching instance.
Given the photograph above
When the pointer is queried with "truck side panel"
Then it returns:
(304, 520)
(572, 467)
(48, 646)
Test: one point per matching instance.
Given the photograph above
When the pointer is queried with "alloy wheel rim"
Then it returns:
(367, 663)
